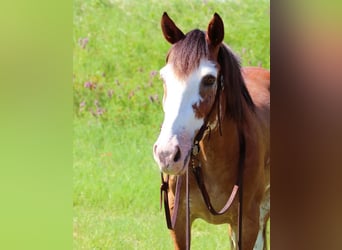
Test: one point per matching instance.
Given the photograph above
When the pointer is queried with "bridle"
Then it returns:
(197, 171)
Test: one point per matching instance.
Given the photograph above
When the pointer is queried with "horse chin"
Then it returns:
(176, 169)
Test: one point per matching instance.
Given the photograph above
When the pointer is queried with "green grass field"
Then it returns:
(118, 50)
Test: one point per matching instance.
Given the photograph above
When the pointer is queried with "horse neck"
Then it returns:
(221, 151)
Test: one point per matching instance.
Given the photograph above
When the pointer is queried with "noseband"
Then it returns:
(197, 171)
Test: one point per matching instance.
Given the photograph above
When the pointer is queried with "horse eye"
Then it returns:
(208, 80)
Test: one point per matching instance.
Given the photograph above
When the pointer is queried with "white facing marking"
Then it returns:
(182, 94)
(233, 239)
(264, 210)
(180, 122)
(259, 243)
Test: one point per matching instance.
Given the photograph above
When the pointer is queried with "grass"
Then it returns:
(118, 50)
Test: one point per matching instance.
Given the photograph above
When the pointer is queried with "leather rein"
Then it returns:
(197, 171)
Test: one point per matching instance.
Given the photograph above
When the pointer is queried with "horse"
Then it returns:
(215, 134)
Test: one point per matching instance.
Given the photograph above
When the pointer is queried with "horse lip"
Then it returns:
(185, 165)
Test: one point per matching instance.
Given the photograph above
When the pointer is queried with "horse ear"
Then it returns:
(215, 31)
(170, 31)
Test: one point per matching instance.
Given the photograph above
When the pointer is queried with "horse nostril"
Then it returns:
(177, 155)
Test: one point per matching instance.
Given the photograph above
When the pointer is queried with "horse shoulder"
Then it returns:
(258, 84)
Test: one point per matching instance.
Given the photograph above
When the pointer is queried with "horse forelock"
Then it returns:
(185, 55)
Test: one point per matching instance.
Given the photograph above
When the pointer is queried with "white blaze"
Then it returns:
(180, 123)
(181, 96)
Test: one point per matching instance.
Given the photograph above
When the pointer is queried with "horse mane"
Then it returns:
(234, 85)
(186, 55)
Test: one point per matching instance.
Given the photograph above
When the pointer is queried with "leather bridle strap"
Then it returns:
(187, 212)
(197, 170)
(242, 142)
(164, 188)
(205, 126)
(199, 179)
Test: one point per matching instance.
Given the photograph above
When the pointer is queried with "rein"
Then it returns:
(197, 171)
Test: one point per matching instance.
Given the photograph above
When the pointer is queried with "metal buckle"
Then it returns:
(195, 149)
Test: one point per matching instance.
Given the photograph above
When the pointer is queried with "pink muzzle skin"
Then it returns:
(172, 154)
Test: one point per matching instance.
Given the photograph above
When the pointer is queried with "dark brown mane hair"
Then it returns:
(234, 86)
(185, 55)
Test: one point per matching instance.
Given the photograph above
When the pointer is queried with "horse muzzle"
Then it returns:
(172, 155)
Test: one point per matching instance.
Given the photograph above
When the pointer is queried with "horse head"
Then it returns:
(191, 80)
